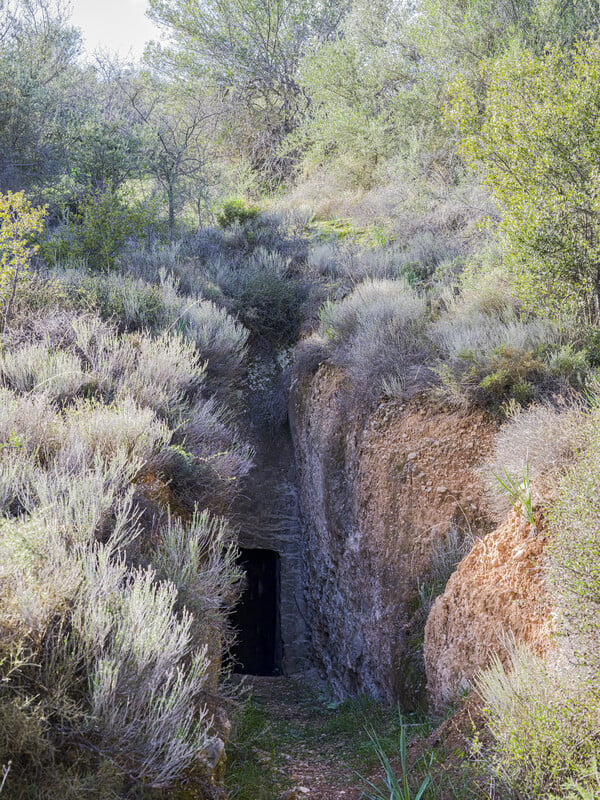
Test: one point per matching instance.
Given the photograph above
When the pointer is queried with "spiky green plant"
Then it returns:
(519, 493)
(395, 787)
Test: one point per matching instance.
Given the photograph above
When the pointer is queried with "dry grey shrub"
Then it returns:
(39, 368)
(377, 334)
(54, 329)
(38, 578)
(209, 433)
(135, 305)
(348, 263)
(16, 473)
(147, 261)
(145, 679)
(161, 372)
(29, 423)
(481, 334)
(83, 503)
(219, 338)
(545, 436)
(200, 559)
(487, 351)
(92, 429)
(112, 660)
(167, 370)
(308, 355)
(574, 553)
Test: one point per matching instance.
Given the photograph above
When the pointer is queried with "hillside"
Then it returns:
(299, 397)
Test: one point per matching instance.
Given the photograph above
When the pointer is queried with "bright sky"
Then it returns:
(115, 25)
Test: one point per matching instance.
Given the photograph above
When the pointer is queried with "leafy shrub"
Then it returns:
(236, 210)
(536, 107)
(543, 726)
(97, 231)
(20, 224)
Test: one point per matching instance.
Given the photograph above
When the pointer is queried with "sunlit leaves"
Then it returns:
(537, 145)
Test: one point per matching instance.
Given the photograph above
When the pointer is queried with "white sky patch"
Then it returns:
(119, 26)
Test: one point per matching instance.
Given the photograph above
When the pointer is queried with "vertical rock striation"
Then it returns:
(381, 492)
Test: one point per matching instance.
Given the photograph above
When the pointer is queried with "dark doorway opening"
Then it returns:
(257, 650)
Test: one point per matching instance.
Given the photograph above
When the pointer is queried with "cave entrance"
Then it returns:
(257, 650)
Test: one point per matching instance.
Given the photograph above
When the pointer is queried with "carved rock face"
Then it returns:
(381, 491)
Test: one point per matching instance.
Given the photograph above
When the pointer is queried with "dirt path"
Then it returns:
(301, 744)
(317, 760)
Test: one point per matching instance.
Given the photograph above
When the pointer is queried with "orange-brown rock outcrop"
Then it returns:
(496, 597)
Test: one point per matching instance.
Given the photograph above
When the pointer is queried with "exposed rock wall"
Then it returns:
(379, 493)
(268, 516)
(496, 596)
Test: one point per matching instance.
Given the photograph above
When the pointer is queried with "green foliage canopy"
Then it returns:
(364, 87)
(249, 51)
(537, 144)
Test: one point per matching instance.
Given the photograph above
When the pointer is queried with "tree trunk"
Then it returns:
(171, 199)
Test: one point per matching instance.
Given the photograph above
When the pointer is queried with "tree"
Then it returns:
(365, 88)
(537, 143)
(249, 51)
(37, 48)
(177, 124)
(20, 223)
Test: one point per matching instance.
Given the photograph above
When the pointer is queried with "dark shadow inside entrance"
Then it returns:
(257, 650)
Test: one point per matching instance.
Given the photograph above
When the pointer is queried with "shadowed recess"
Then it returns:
(256, 617)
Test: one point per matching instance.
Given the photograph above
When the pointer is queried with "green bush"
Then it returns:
(536, 145)
(97, 231)
(236, 211)
(543, 727)
(574, 551)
